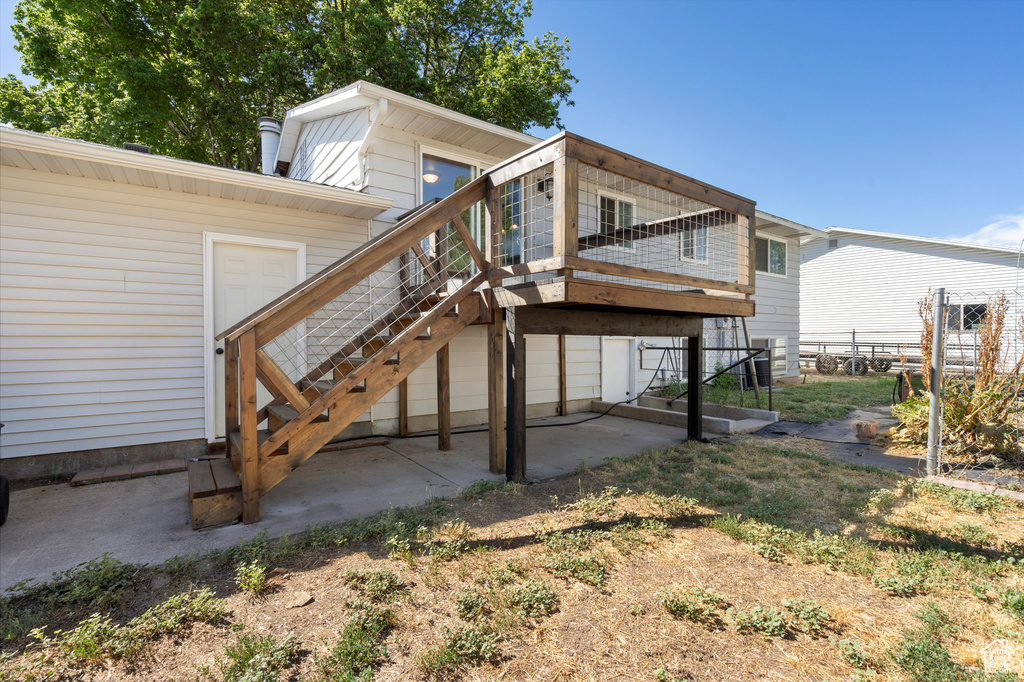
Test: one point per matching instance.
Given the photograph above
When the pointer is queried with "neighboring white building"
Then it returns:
(872, 282)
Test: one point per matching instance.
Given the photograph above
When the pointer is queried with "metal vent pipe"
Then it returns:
(270, 138)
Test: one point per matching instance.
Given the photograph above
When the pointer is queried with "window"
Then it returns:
(770, 256)
(615, 214)
(778, 353)
(694, 242)
(967, 317)
(439, 178)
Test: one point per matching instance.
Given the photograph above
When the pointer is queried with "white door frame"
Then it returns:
(209, 239)
(632, 362)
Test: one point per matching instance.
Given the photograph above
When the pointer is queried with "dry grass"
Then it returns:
(737, 518)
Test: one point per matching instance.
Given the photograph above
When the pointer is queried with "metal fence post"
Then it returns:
(935, 399)
(853, 353)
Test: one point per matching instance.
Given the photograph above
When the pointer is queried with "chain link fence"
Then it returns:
(860, 352)
(981, 434)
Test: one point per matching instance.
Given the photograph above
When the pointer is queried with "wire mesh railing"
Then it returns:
(982, 418)
(338, 337)
(637, 224)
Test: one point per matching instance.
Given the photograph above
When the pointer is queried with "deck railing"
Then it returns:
(575, 208)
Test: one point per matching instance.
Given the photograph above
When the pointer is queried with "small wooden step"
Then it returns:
(409, 318)
(286, 413)
(214, 492)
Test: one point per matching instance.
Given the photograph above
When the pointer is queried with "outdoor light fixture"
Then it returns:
(429, 178)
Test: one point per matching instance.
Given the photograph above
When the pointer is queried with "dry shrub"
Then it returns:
(981, 407)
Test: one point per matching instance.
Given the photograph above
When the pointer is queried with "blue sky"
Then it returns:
(900, 117)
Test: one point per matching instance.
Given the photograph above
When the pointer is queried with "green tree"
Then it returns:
(190, 77)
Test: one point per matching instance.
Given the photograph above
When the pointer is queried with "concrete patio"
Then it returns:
(146, 520)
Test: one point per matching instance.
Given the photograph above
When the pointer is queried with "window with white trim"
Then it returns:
(693, 242)
(777, 354)
(614, 215)
(770, 256)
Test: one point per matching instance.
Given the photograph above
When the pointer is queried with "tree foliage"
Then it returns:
(190, 77)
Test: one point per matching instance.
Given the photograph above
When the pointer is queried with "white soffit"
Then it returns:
(407, 114)
(35, 151)
(774, 225)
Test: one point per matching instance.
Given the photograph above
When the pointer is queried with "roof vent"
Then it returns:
(833, 244)
(135, 147)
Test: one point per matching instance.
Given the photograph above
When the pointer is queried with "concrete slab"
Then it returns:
(145, 520)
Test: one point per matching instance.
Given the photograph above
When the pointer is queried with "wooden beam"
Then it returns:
(612, 160)
(531, 293)
(444, 400)
(536, 157)
(428, 267)
(566, 207)
(531, 268)
(563, 401)
(572, 322)
(495, 402)
(493, 247)
(278, 382)
(625, 296)
(403, 408)
(695, 387)
(467, 239)
(515, 398)
(248, 427)
(632, 272)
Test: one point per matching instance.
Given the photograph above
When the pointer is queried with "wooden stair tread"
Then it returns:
(287, 413)
(324, 385)
(261, 436)
(209, 477)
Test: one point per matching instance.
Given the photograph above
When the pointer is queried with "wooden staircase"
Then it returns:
(367, 322)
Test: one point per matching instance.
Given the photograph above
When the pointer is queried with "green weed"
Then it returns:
(806, 615)
(251, 578)
(257, 659)
(697, 604)
(470, 604)
(359, 650)
(532, 598)
(461, 646)
(766, 621)
(586, 568)
(1012, 601)
(379, 584)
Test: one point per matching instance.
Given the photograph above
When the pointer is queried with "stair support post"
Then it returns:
(515, 408)
(695, 388)
(248, 425)
(444, 402)
(495, 402)
(230, 394)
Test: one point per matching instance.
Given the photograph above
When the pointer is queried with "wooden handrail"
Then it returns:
(363, 371)
(288, 309)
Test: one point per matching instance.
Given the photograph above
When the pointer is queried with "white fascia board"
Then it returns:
(923, 240)
(90, 152)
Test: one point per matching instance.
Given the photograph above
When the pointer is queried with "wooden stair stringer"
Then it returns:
(349, 407)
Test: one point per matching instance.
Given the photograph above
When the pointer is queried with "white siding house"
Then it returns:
(119, 268)
(871, 283)
(776, 322)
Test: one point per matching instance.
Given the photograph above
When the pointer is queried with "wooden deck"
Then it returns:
(580, 208)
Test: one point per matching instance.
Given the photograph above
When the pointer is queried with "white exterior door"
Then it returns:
(242, 276)
(617, 371)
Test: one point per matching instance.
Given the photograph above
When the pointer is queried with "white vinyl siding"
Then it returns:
(777, 308)
(327, 151)
(873, 284)
(101, 316)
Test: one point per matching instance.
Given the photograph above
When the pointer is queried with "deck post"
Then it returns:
(231, 395)
(565, 195)
(444, 403)
(495, 402)
(403, 407)
(515, 398)
(695, 387)
(248, 425)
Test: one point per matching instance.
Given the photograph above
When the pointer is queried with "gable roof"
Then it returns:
(924, 240)
(408, 114)
(37, 151)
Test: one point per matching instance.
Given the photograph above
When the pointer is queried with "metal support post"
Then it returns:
(935, 397)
